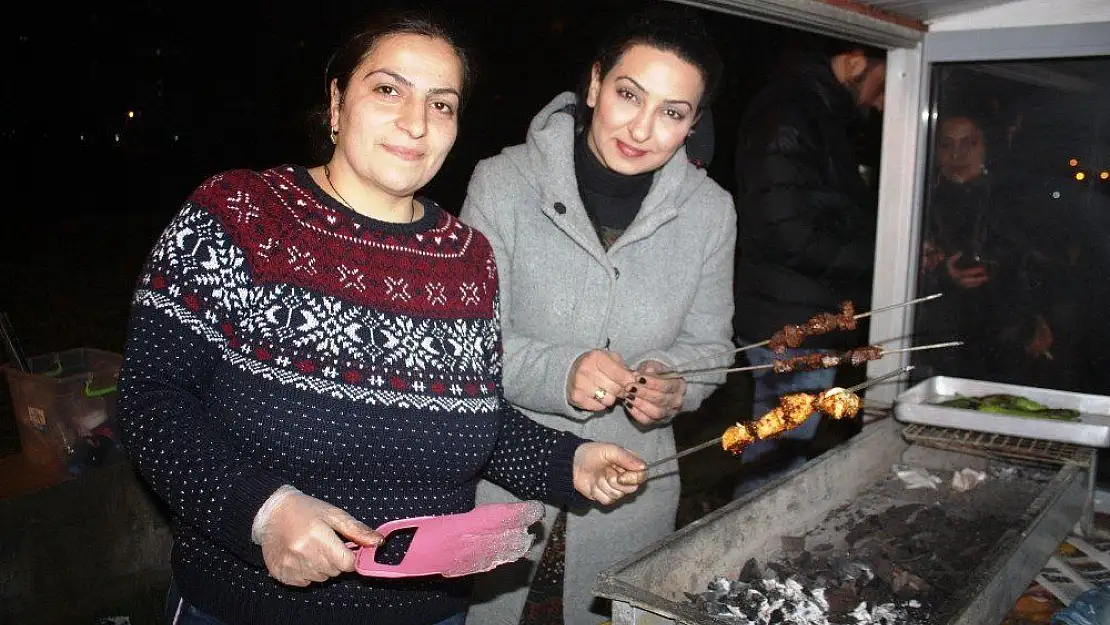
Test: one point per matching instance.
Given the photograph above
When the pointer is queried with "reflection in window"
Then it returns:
(1016, 224)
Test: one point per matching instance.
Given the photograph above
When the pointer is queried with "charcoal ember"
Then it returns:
(777, 570)
(905, 584)
(866, 547)
(822, 549)
(842, 597)
(801, 559)
(793, 545)
(869, 526)
(753, 570)
(871, 562)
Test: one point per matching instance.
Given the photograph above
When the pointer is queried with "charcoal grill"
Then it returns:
(650, 587)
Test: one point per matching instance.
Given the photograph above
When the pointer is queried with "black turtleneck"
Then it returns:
(612, 199)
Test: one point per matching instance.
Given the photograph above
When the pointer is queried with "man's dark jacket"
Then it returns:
(806, 223)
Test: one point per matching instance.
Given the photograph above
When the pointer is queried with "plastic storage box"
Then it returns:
(65, 409)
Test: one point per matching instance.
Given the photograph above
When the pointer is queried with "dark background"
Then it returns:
(230, 85)
(220, 86)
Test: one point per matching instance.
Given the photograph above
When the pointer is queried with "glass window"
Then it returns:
(1016, 224)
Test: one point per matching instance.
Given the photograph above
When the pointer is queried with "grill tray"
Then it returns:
(917, 405)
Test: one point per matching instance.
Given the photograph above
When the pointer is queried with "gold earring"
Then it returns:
(334, 134)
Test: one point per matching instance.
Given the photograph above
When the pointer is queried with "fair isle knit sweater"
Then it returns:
(279, 338)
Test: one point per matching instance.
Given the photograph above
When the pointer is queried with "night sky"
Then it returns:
(115, 113)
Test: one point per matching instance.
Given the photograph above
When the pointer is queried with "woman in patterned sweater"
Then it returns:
(314, 352)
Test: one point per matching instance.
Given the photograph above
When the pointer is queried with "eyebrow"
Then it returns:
(408, 83)
(641, 88)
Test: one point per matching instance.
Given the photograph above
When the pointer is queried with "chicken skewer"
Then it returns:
(823, 319)
(839, 403)
(855, 357)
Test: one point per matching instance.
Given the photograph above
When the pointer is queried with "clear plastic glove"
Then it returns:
(302, 538)
(604, 472)
(597, 380)
(650, 398)
(458, 544)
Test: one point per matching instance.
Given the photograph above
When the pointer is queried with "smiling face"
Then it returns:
(398, 118)
(643, 109)
(960, 150)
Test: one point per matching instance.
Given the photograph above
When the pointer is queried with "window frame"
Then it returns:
(902, 179)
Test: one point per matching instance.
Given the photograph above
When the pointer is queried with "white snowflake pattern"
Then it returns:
(351, 278)
(397, 289)
(437, 293)
(330, 372)
(469, 293)
(302, 261)
(265, 250)
(240, 204)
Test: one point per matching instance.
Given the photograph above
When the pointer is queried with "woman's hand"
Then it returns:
(651, 398)
(303, 540)
(604, 472)
(931, 256)
(1042, 339)
(597, 380)
(968, 277)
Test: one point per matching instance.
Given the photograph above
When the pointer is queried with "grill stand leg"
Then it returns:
(1087, 520)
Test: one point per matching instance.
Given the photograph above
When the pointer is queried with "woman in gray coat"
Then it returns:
(615, 256)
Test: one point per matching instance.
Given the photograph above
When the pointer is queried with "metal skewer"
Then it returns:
(886, 352)
(684, 365)
(715, 441)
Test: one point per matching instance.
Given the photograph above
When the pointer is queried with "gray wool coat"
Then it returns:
(663, 291)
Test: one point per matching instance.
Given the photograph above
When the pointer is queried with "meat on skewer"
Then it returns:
(822, 323)
(792, 411)
(808, 362)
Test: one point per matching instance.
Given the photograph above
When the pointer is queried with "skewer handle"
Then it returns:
(682, 454)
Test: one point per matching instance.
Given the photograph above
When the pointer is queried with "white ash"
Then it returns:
(789, 603)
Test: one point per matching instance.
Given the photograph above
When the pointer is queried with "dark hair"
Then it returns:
(675, 29)
(835, 47)
(360, 44)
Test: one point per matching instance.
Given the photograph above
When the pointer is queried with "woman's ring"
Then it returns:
(600, 393)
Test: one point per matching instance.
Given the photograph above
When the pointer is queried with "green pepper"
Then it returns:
(967, 403)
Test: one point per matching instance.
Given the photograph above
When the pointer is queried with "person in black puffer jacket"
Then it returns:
(806, 225)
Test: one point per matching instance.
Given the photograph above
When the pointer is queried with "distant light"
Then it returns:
(131, 114)
(1055, 195)
(1080, 176)
(1104, 175)
(1074, 162)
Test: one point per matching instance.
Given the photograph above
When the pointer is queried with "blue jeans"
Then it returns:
(181, 612)
(767, 459)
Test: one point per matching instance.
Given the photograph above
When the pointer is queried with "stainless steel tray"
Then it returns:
(917, 405)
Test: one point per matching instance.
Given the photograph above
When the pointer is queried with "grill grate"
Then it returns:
(999, 445)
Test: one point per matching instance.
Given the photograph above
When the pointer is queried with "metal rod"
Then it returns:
(706, 371)
(683, 365)
(683, 453)
(710, 443)
(902, 305)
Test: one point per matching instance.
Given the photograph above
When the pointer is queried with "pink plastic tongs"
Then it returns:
(457, 544)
